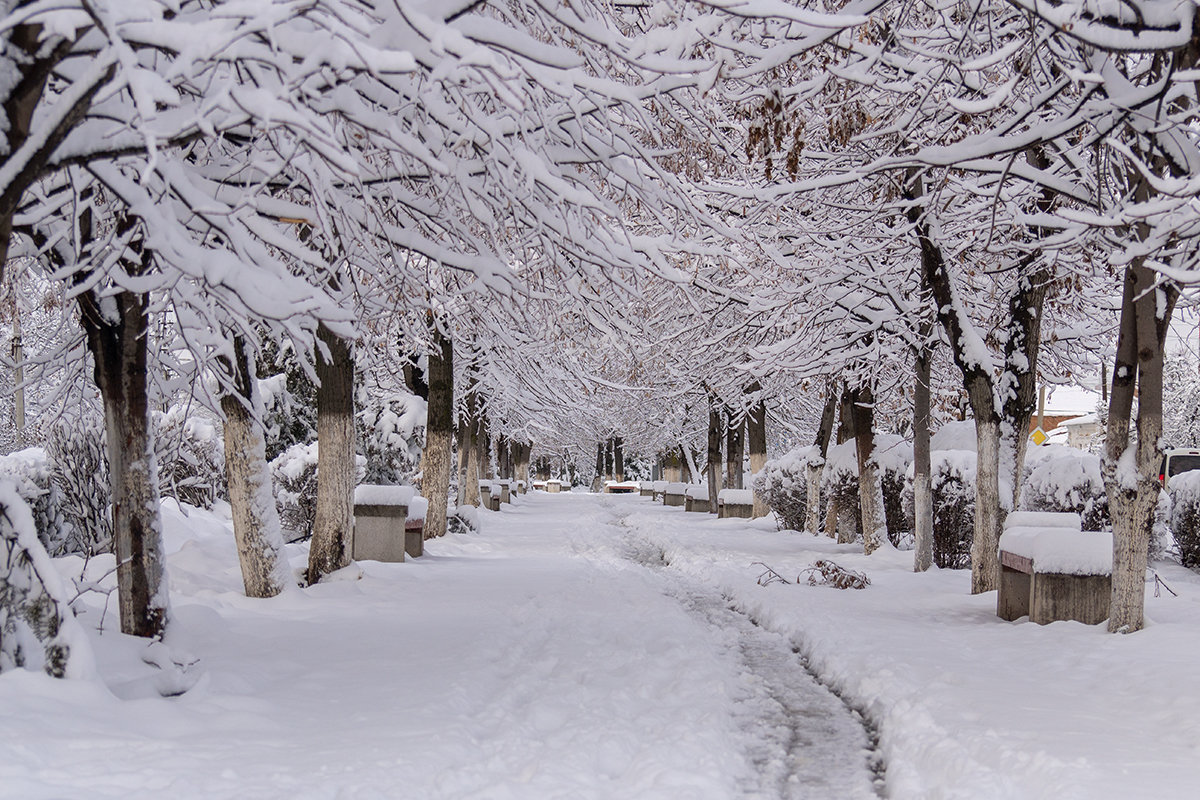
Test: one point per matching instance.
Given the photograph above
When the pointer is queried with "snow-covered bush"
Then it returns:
(391, 433)
(289, 402)
(952, 480)
(76, 446)
(1185, 516)
(33, 478)
(893, 454)
(839, 484)
(463, 519)
(37, 628)
(783, 483)
(295, 475)
(1065, 479)
(190, 455)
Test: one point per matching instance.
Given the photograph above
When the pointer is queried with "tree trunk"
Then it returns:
(256, 527)
(334, 520)
(815, 465)
(756, 436)
(985, 548)
(618, 460)
(439, 434)
(735, 451)
(1145, 317)
(118, 348)
(598, 481)
(870, 494)
(713, 468)
(483, 441)
(468, 453)
(922, 485)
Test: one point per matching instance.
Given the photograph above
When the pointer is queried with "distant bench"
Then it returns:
(1050, 570)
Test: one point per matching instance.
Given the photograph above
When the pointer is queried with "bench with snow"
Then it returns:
(521, 488)
(675, 494)
(539, 485)
(659, 489)
(489, 495)
(646, 489)
(553, 486)
(737, 503)
(696, 499)
(620, 487)
(506, 491)
(1051, 570)
(414, 527)
(381, 522)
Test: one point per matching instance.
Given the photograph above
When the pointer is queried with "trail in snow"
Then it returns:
(803, 741)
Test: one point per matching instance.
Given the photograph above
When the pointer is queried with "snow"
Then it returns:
(1043, 519)
(697, 492)
(418, 507)
(374, 494)
(959, 435)
(660, 486)
(584, 646)
(1061, 550)
(676, 488)
(739, 497)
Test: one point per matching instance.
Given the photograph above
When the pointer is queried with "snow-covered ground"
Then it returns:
(591, 646)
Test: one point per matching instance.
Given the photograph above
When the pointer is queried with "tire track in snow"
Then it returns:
(804, 741)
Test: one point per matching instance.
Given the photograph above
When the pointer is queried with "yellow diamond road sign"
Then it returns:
(1039, 436)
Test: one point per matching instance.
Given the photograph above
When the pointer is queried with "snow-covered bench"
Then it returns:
(659, 489)
(489, 495)
(696, 499)
(380, 517)
(675, 494)
(414, 527)
(505, 491)
(521, 487)
(1051, 570)
(553, 486)
(646, 489)
(735, 503)
(620, 487)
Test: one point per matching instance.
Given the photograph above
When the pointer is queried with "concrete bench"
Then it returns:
(553, 486)
(675, 494)
(380, 522)
(521, 488)
(735, 503)
(646, 490)
(539, 485)
(620, 487)
(505, 491)
(1050, 570)
(658, 489)
(696, 499)
(489, 495)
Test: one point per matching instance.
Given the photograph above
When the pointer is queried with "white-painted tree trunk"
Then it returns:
(333, 524)
(256, 528)
(985, 549)
(439, 434)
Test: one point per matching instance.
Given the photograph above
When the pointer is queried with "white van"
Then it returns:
(1177, 461)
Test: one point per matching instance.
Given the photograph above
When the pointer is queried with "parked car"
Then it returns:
(1177, 461)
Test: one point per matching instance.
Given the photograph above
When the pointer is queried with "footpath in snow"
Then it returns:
(552, 656)
(590, 646)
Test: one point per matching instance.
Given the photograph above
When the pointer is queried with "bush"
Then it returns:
(295, 475)
(78, 459)
(783, 484)
(952, 479)
(1185, 516)
(893, 455)
(1067, 480)
(32, 475)
(392, 435)
(839, 484)
(190, 455)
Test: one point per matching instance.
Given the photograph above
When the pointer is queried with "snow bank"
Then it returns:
(1061, 550)
(373, 494)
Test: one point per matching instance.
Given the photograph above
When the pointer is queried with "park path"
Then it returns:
(553, 655)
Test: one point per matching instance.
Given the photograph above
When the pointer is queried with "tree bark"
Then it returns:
(618, 460)
(713, 468)
(256, 527)
(468, 453)
(735, 451)
(814, 467)
(756, 436)
(870, 493)
(1145, 317)
(439, 434)
(118, 348)
(922, 485)
(334, 520)
(598, 481)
